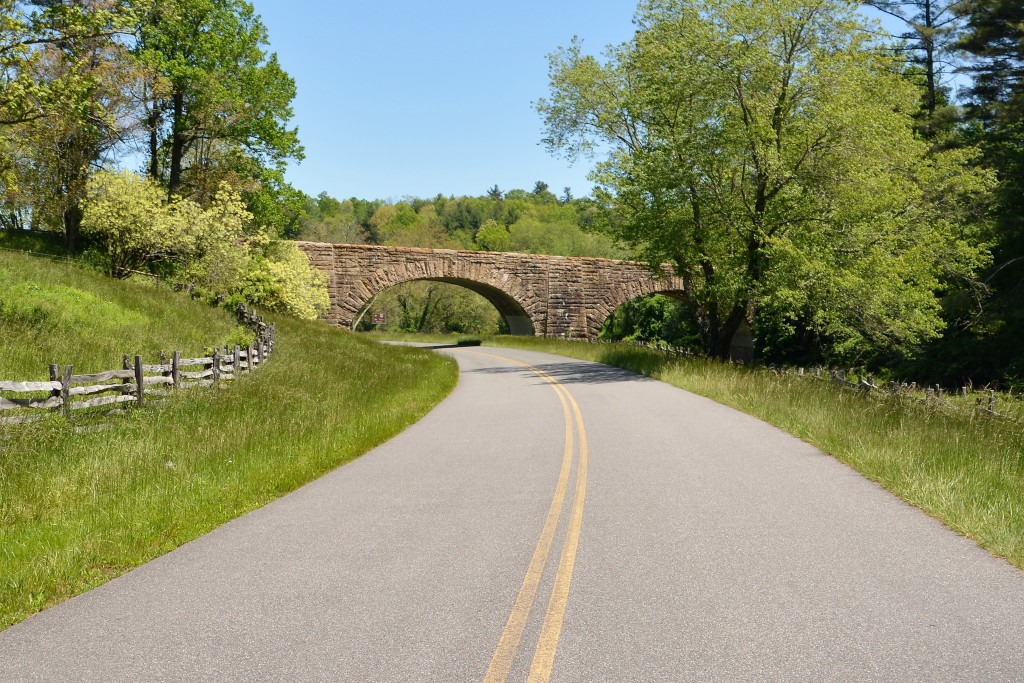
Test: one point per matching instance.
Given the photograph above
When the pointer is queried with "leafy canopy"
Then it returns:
(766, 150)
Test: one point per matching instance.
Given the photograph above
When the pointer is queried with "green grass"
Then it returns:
(56, 312)
(77, 509)
(49, 243)
(965, 470)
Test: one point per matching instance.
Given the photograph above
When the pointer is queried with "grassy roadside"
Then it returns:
(966, 471)
(79, 509)
(56, 312)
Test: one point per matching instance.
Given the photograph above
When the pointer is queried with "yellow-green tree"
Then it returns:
(214, 250)
(766, 149)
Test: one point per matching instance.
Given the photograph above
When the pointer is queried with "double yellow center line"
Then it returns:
(544, 654)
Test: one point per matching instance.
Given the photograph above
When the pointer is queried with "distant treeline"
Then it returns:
(533, 222)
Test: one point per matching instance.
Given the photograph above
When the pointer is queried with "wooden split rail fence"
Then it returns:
(134, 383)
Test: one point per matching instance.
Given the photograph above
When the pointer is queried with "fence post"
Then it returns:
(125, 365)
(991, 401)
(175, 368)
(138, 379)
(65, 391)
(216, 365)
(249, 358)
(236, 362)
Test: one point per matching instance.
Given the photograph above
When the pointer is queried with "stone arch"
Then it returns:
(505, 291)
(556, 296)
(514, 314)
(633, 282)
(605, 311)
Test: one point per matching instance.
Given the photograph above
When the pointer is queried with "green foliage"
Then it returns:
(66, 102)
(214, 251)
(492, 236)
(653, 319)
(222, 104)
(325, 219)
(129, 217)
(33, 241)
(56, 312)
(283, 280)
(995, 41)
(28, 30)
(434, 307)
(767, 150)
(930, 29)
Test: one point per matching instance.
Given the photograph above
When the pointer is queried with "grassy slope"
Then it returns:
(964, 470)
(78, 509)
(54, 312)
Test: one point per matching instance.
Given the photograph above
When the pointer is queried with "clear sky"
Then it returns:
(409, 98)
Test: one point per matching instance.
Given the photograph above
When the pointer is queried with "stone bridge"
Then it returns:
(549, 296)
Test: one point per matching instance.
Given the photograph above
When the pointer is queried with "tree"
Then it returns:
(69, 87)
(224, 103)
(493, 236)
(994, 39)
(766, 150)
(325, 219)
(26, 28)
(930, 39)
(136, 226)
(437, 307)
(494, 193)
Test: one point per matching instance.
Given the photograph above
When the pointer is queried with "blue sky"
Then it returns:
(404, 98)
(400, 98)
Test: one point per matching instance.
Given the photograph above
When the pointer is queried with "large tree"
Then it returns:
(73, 101)
(994, 41)
(930, 29)
(223, 103)
(766, 150)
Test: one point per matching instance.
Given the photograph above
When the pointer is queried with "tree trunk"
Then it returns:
(719, 335)
(72, 220)
(929, 44)
(177, 141)
(153, 124)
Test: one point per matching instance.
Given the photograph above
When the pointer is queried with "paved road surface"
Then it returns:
(564, 521)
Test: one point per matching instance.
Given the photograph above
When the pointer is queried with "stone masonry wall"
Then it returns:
(553, 296)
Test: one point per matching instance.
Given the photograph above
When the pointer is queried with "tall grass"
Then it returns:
(966, 470)
(56, 312)
(79, 508)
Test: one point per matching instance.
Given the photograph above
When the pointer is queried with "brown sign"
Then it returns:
(380, 318)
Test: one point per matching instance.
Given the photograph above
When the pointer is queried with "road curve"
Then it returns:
(556, 520)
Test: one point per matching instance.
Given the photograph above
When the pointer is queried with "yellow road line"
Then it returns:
(501, 662)
(543, 660)
(544, 655)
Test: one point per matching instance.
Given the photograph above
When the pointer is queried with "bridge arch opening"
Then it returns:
(652, 318)
(515, 319)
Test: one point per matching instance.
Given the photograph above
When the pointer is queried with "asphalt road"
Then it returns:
(564, 521)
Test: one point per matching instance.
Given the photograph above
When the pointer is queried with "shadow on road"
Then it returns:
(572, 372)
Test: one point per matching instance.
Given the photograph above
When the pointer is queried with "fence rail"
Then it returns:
(134, 384)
